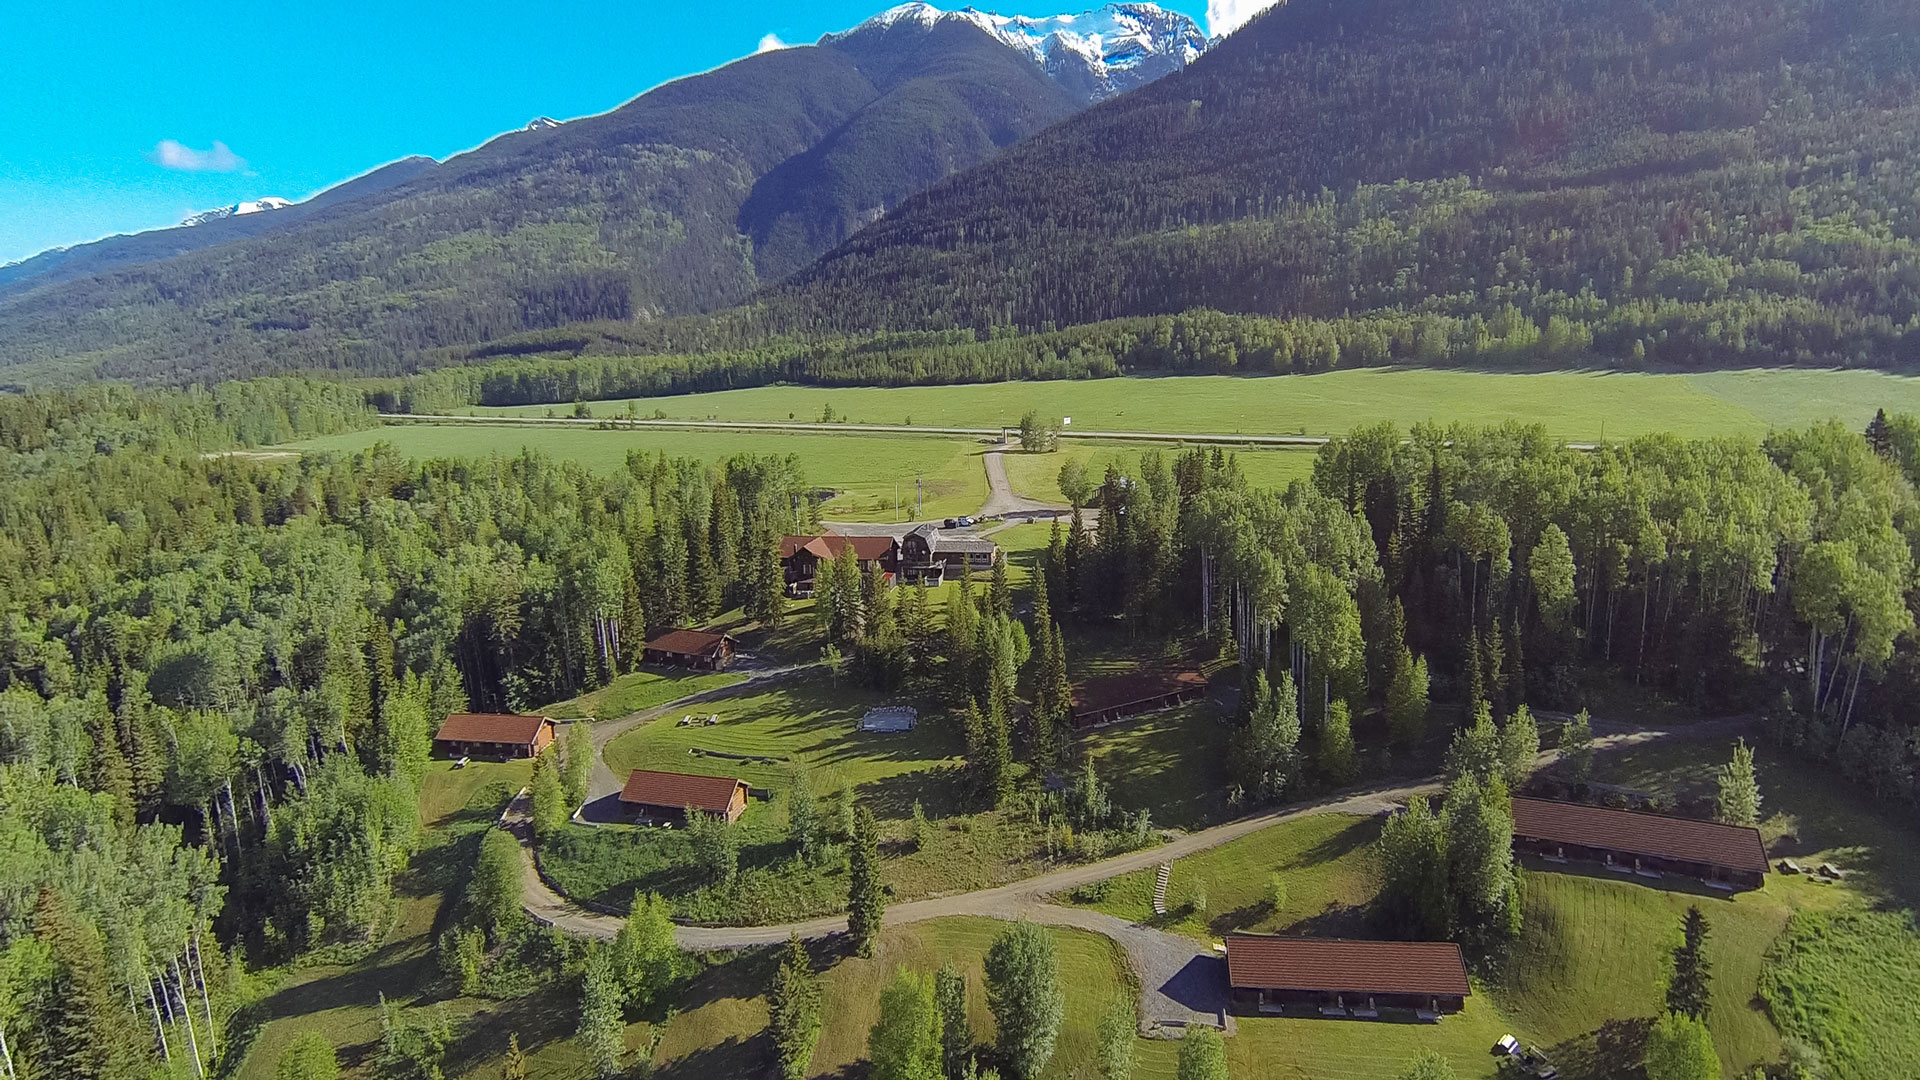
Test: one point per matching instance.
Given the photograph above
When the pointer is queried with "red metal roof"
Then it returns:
(1736, 847)
(491, 728)
(686, 642)
(828, 545)
(1333, 965)
(714, 794)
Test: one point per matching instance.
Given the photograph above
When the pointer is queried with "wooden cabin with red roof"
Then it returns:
(669, 796)
(801, 556)
(1341, 978)
(493, 735)
(700, 650)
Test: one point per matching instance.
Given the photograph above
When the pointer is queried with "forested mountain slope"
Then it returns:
(687, 198)
(1694, 181)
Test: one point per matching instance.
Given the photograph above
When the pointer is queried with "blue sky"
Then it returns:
(121, 115)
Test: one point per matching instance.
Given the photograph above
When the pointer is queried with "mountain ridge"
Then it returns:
(685, 199)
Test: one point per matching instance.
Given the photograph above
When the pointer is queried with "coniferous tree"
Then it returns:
(1738, 799)
(793, 1008)
(514, 1065)
(1687, 992)
(999, 591)
(865, 900)
(956, 1031)
(1407, 699)
(87, 1030)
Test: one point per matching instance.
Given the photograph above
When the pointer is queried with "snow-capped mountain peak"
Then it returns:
(1096, 53)
(253, 206)
(541, 123)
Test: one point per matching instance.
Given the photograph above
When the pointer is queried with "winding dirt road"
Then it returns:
(1178, 987)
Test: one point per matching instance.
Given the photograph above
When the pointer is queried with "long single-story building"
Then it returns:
(699, 649)
(1116, 697)
(801, 556)
(1345, 978)
(930, 555)
(1732, 856)
(667, 796)
(493, 735)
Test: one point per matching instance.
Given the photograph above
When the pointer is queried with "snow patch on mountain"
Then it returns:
(541, 123)
(1096, 53)
(253, 206)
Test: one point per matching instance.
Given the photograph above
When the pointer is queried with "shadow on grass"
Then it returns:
(1609, 1052)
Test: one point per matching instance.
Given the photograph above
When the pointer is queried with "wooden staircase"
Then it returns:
(1160, 888)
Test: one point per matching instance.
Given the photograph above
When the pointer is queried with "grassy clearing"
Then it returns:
(1037, 476)
(812, 722)
(864, 469)
(720, 1029)
(1173, 762)
(1847, 983)
(1597, 948)
(637, 692)
(1287, 1048)
(1573, 405)
(1322, 858)
(340, 1001)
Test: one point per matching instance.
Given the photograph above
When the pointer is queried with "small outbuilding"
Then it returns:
(667, 796)
(701, 650)
(1115, 697)
(493, 735)
(1343, 978)
(1729, 856)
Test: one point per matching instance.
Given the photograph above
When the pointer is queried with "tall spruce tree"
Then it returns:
(1687, 992)
(865, 900)
(793, 1008)
(956, 1031)
(1738, 799)
(88, 1031)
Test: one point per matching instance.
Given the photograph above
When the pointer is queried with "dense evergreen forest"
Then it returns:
(683, 200)
(219, 673)
(1698, 182)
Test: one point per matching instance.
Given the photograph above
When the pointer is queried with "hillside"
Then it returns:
(1689, 181)
(685, 199)
(220, 227)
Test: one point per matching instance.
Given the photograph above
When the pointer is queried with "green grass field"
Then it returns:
(638, 691)
(1037, 476)
(869, 471)
(720, 1029)
(1322, 859)
(1573, 405)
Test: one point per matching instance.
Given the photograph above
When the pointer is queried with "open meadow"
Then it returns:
(1578, 406)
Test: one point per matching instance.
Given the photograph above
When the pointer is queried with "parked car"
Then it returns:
(950, 523)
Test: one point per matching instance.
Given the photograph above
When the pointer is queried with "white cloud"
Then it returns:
(170, 154)
(1226, 16)
(771, 43)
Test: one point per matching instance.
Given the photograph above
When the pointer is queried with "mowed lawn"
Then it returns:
(1322, 858)
(1576, 405)
(868, 471)
(638, 691)
(720, 1030)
